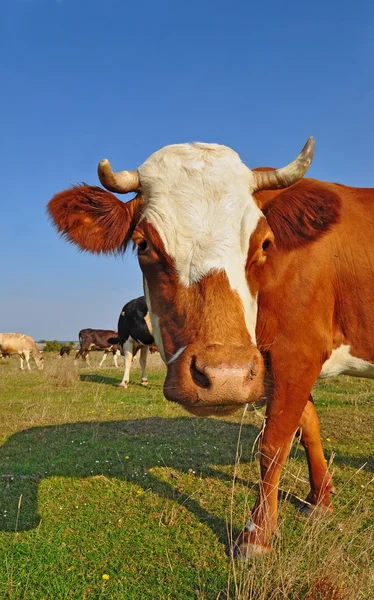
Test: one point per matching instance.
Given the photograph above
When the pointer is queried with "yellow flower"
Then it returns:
(127, 457)
(105, 576)
(328, 440)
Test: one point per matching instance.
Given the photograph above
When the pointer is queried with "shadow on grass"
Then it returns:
(115, 381)
(125, 450)
(341, 460)
(128, 450)
(98, 378)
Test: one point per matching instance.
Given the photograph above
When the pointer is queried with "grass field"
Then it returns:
(112, 493)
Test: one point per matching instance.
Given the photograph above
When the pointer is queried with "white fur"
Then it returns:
(155, 321)
(115, 356)
(130, 348)
(341, 362)
(250, 526)
(127, 355)
(197, 196)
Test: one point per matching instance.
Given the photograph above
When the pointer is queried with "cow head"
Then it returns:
(202, 241)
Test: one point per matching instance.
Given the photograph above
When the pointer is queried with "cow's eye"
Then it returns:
(142, 246)
(266, 244)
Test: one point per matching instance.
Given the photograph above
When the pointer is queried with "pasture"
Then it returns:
(112, 493)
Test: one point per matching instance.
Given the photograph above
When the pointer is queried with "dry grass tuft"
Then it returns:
(321, 557)
(62, 372)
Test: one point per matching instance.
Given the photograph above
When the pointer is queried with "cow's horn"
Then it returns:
(286, 176)
(121, 182)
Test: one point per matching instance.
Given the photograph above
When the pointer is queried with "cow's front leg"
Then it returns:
(104, 358)
(127, 355)
(320, 479)
(86, 357)
(283, 417)
(116, 354)
(143, 364)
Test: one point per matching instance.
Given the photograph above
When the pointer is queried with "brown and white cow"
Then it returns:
(99, 339)
(24, 346)
(240, 281)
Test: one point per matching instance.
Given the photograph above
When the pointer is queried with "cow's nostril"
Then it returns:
(252, 373)
(198, 376)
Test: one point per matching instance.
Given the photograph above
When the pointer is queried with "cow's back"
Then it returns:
(134, 322)
(96, 337)
(17, 342)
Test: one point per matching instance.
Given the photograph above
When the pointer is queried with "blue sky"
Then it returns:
(83, 80)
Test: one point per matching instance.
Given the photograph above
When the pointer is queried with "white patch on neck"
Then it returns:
(341, 362)
(197, 196)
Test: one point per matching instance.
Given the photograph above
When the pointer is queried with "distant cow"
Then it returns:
(4, 354)
(65, 350)
(99, 339)
(134, 334)
(23, 345)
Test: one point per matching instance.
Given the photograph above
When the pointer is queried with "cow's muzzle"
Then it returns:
(215, 379)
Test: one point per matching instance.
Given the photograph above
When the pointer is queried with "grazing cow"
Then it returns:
(135, 333)
(99, 339)
(246, 272)
(24, 346)
(65, 350)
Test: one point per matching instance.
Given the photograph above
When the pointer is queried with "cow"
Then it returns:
(257, 283)
(99, 339)
(65, 351)
(24, 346)
(134, 334)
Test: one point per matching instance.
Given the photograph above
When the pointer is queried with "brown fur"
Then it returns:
(301, 213)
(311, 300)
(315, 291)
(94, 219)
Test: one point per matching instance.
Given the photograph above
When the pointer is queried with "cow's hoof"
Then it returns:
(315, 511)
(123, 385)
(144, 382)
(246, 550)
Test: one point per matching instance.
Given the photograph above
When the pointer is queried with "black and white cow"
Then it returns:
(134, 334)
(99, 339)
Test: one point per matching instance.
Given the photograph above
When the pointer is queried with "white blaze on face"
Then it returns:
(197, 197)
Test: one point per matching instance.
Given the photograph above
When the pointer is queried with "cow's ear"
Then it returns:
(302, 213)
(95, 219)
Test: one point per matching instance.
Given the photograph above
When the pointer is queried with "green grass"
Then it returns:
(99, 480)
